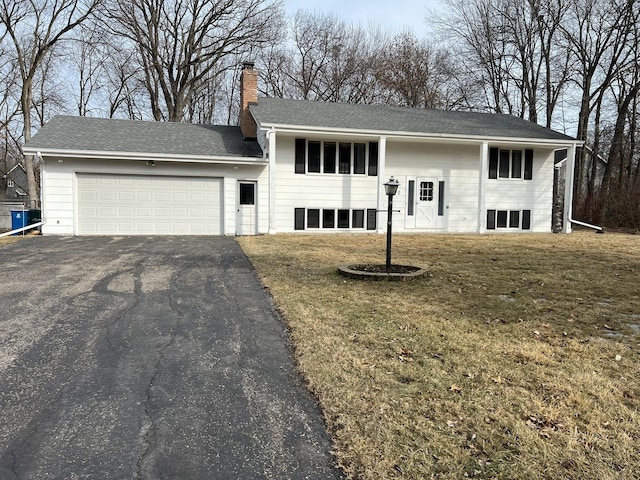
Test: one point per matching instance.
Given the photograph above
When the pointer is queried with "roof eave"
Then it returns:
(143, 156)
(301, 129)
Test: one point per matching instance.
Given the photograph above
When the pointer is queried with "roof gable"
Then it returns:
(67, 133)
(376, 118)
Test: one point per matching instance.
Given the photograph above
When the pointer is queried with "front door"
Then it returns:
(246, 219)
(426, 202)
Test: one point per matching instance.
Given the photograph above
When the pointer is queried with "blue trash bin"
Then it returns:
(19, 219)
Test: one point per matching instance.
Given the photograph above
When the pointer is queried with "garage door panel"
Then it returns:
(148, 205)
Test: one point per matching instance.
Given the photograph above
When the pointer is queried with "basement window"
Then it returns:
(508, 219)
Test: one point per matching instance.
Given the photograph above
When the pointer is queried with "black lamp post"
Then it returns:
(390, 188)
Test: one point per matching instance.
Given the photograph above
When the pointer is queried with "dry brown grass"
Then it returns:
(7, 240)
(517, 358)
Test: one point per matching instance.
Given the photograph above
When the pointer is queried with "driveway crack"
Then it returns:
(148, 429)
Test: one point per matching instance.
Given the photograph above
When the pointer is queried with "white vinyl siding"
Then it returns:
(60, 194)
(456, 165)
(317, 191)
(516, 194)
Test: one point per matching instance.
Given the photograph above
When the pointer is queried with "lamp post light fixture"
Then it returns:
(390, 188)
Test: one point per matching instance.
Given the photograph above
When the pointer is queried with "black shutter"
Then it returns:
(493, 163)
(371, 219)
(373, 159)
(526, 220)
(491, 219)
(301, 146)
(528, 164)
(299, 219)
(441, 198)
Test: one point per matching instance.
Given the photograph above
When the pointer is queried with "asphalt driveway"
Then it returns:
(153, 357)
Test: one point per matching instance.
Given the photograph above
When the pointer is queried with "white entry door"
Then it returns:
(246, 221)
(426, 202)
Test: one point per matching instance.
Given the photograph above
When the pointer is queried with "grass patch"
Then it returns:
(7, 240)
(517, 358)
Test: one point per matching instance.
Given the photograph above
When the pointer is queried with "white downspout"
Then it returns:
(271, 137)
(568, 189)
(482, 182)
(382, 169)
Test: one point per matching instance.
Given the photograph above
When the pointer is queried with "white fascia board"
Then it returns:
(102, 155)
(414, 136)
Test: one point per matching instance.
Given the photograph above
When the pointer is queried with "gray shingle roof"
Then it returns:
(274, 111)
(131, 136)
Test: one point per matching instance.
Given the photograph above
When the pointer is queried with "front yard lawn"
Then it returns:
(518, 358)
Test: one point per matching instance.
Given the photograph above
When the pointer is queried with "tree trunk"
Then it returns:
(29, 164)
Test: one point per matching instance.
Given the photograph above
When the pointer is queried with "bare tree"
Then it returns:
(416, 73)
(326, 59)
(34, 28)
(181, 44)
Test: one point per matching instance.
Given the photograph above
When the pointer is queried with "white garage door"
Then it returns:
(149, 205)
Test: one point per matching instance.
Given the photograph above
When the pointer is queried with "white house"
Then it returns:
(299, 166)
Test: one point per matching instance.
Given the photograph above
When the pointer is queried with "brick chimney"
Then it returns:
(248, 95)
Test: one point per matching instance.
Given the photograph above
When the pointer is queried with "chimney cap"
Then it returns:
(248, 65)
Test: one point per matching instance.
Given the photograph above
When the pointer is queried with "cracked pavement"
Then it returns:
(148, 358)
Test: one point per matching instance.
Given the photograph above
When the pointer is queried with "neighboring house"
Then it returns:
(14, 185)
(13, 194)
(299, 166)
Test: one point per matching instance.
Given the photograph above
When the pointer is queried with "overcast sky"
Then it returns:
(391, 15)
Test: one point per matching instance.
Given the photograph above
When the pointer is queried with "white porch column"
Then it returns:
(482, 182)
(568, 189)
(382, 178)
(271, 142)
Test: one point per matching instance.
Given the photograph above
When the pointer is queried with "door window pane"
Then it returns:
(247, 194)
(426, 191)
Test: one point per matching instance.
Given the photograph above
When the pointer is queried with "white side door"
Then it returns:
(246, 219)
(426, 208)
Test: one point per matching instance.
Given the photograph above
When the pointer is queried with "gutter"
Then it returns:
(136, 156)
